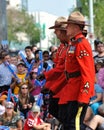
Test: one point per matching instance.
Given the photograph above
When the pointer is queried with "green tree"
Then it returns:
(98, 15)
(21, 21)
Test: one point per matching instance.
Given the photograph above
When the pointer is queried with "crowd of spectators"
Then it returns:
(25, 101)
(20, 92)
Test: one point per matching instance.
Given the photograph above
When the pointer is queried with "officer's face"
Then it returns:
(57, 32)
(70, 29)
(63, 36)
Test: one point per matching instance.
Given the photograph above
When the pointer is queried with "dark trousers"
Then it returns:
(68, 115)
(54, 107)
(4, 88)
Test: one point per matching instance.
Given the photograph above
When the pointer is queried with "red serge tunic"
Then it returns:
(79, 58)
(55, 78)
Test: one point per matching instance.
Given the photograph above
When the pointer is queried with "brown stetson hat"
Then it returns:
(77, 18)
(59, 23)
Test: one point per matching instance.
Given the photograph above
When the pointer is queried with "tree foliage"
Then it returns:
(20, 21)
(98, 10)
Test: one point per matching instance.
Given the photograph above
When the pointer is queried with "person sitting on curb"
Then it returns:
(34, 121)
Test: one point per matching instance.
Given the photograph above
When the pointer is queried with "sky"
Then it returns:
(55, 7)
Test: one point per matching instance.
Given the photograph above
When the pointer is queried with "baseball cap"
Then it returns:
(35, 108)
(21, 63)
(3, 97)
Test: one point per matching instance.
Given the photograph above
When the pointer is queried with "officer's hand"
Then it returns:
(45, 91)
(51, 93)
(40, 77)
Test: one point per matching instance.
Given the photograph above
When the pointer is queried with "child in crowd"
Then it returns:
(34, 120)
(21, 68)
(36, 89)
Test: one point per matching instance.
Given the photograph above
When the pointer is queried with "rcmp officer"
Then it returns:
(80, 74)
(55, 78)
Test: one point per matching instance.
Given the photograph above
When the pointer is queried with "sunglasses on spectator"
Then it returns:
(24, 88)
(9, 108)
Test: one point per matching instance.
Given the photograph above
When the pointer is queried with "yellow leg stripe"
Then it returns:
(77, 119)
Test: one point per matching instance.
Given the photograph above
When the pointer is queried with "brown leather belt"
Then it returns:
(72, 74)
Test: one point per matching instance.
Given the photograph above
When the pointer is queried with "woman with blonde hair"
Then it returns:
(10, 118)
(25, 100)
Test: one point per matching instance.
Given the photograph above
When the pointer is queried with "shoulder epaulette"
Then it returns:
(77, 40)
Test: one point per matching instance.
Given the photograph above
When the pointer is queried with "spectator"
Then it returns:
(52, 57)
(8, 59)
(37, 55)
(101, 77)
(52, 48)
(99, 47)
(96, 100)
(36, 89)
(5, 74)
(88, 116)
(98, 66)
(29, 54)
(21, 73)
(96, 122)
(46, 58)
(10, 118)
(34, 48)
(92, 121)
(26, 100)
(34, 121)
(14, 60)
(0, 58)
(2, 103)
(45, 55)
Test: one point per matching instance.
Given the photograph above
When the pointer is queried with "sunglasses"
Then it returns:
(9, 108)
(24, 88)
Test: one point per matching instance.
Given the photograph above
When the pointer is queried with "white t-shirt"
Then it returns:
(2, 109)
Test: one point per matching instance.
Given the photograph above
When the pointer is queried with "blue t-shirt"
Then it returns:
(98, 89)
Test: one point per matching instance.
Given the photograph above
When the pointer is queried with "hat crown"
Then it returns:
(21, 63)
(59, 20)
(59, 23)
(3, 97)
(76, 16)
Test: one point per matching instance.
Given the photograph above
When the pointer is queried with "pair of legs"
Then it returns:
(93, 121)
(96, 121)
(72, 116)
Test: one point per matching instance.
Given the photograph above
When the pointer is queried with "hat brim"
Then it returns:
(57, 27)
(21, 64)
(76, 22)
(2, 99)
